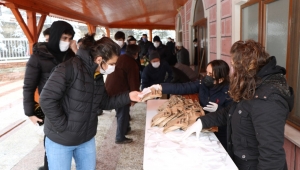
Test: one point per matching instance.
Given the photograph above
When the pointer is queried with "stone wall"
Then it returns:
(12, 71)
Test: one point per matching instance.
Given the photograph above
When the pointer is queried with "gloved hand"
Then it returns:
(211, 107)
(156, 87)
(196, 127)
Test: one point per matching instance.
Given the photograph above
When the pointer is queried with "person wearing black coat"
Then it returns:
(144, 46)
(171, 51)
(71, 112)
(45, 57)
(120, 40)
(256, 119)
(158, 71)
(182, 54)
(160, 48)
(212, 90)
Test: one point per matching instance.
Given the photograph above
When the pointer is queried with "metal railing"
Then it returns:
(14, 49)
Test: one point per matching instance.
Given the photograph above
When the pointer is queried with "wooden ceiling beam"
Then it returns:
(20, 20)
(91, 28)
(144, 15)
(31, 24)
(54, 11)
(165, 17)
(134, 26)
(143, 5)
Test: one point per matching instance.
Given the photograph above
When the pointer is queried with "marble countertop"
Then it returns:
(165, 151)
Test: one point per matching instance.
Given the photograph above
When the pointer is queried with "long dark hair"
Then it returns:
(248, 58)
(220, 70)
(104, 47)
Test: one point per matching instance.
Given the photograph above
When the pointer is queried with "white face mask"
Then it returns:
(120, 43)
(109, 69)
(195, 45)
(63, 45)
(156, 44)
(155, 64)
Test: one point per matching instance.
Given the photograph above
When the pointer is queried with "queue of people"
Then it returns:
(249, 106)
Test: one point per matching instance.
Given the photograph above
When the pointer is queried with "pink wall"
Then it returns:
(226, 31)
(185, 14)
(226, 13)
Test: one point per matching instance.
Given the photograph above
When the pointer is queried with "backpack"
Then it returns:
(69, 72)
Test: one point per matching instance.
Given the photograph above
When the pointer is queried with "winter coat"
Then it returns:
(183, 56)
(153, 75)
(255, 127)
(218, 94)
(71, 114)
(125, 77)
(38, 69)
(162, 51)
(123, 49)
(171, 50)
(144, 46)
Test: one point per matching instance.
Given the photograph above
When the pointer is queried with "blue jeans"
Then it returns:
(60, 156)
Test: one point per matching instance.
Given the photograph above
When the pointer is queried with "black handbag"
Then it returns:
(38, 112)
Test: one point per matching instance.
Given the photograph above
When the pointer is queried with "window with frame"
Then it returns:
(275, 24)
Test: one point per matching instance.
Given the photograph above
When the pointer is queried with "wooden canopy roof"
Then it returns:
(141, 14)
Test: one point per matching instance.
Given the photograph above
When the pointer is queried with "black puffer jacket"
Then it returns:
(255, 127)
(38, 69)
(71, 118)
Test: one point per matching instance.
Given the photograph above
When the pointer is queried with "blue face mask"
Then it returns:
(144, 39)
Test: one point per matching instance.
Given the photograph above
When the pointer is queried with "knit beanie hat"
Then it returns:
(156, 38)
(153, 55)
(179, 44)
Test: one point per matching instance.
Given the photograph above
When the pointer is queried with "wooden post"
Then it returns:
(91, 28)
(107, 32)
(31, 24)
(30, 30)
(150, 34)
(40, 25)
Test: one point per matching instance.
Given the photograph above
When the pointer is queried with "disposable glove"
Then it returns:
(156, 87)
(196, 127)
(211, 107)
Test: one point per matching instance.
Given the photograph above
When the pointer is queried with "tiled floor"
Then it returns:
(22, 148)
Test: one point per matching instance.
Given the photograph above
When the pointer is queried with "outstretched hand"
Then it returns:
(196, 127)
(73, 46)
(134, 96)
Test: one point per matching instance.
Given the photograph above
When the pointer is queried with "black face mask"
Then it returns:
(208, 81)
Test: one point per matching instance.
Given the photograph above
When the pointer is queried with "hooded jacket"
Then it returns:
(71, 113)
(255, 127)
(41, 63)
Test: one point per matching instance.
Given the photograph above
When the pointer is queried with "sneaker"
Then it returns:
(124, 141)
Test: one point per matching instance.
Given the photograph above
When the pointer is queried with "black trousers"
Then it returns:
(249, 164)
(45, 157)
(122, 121)
(245, 165)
